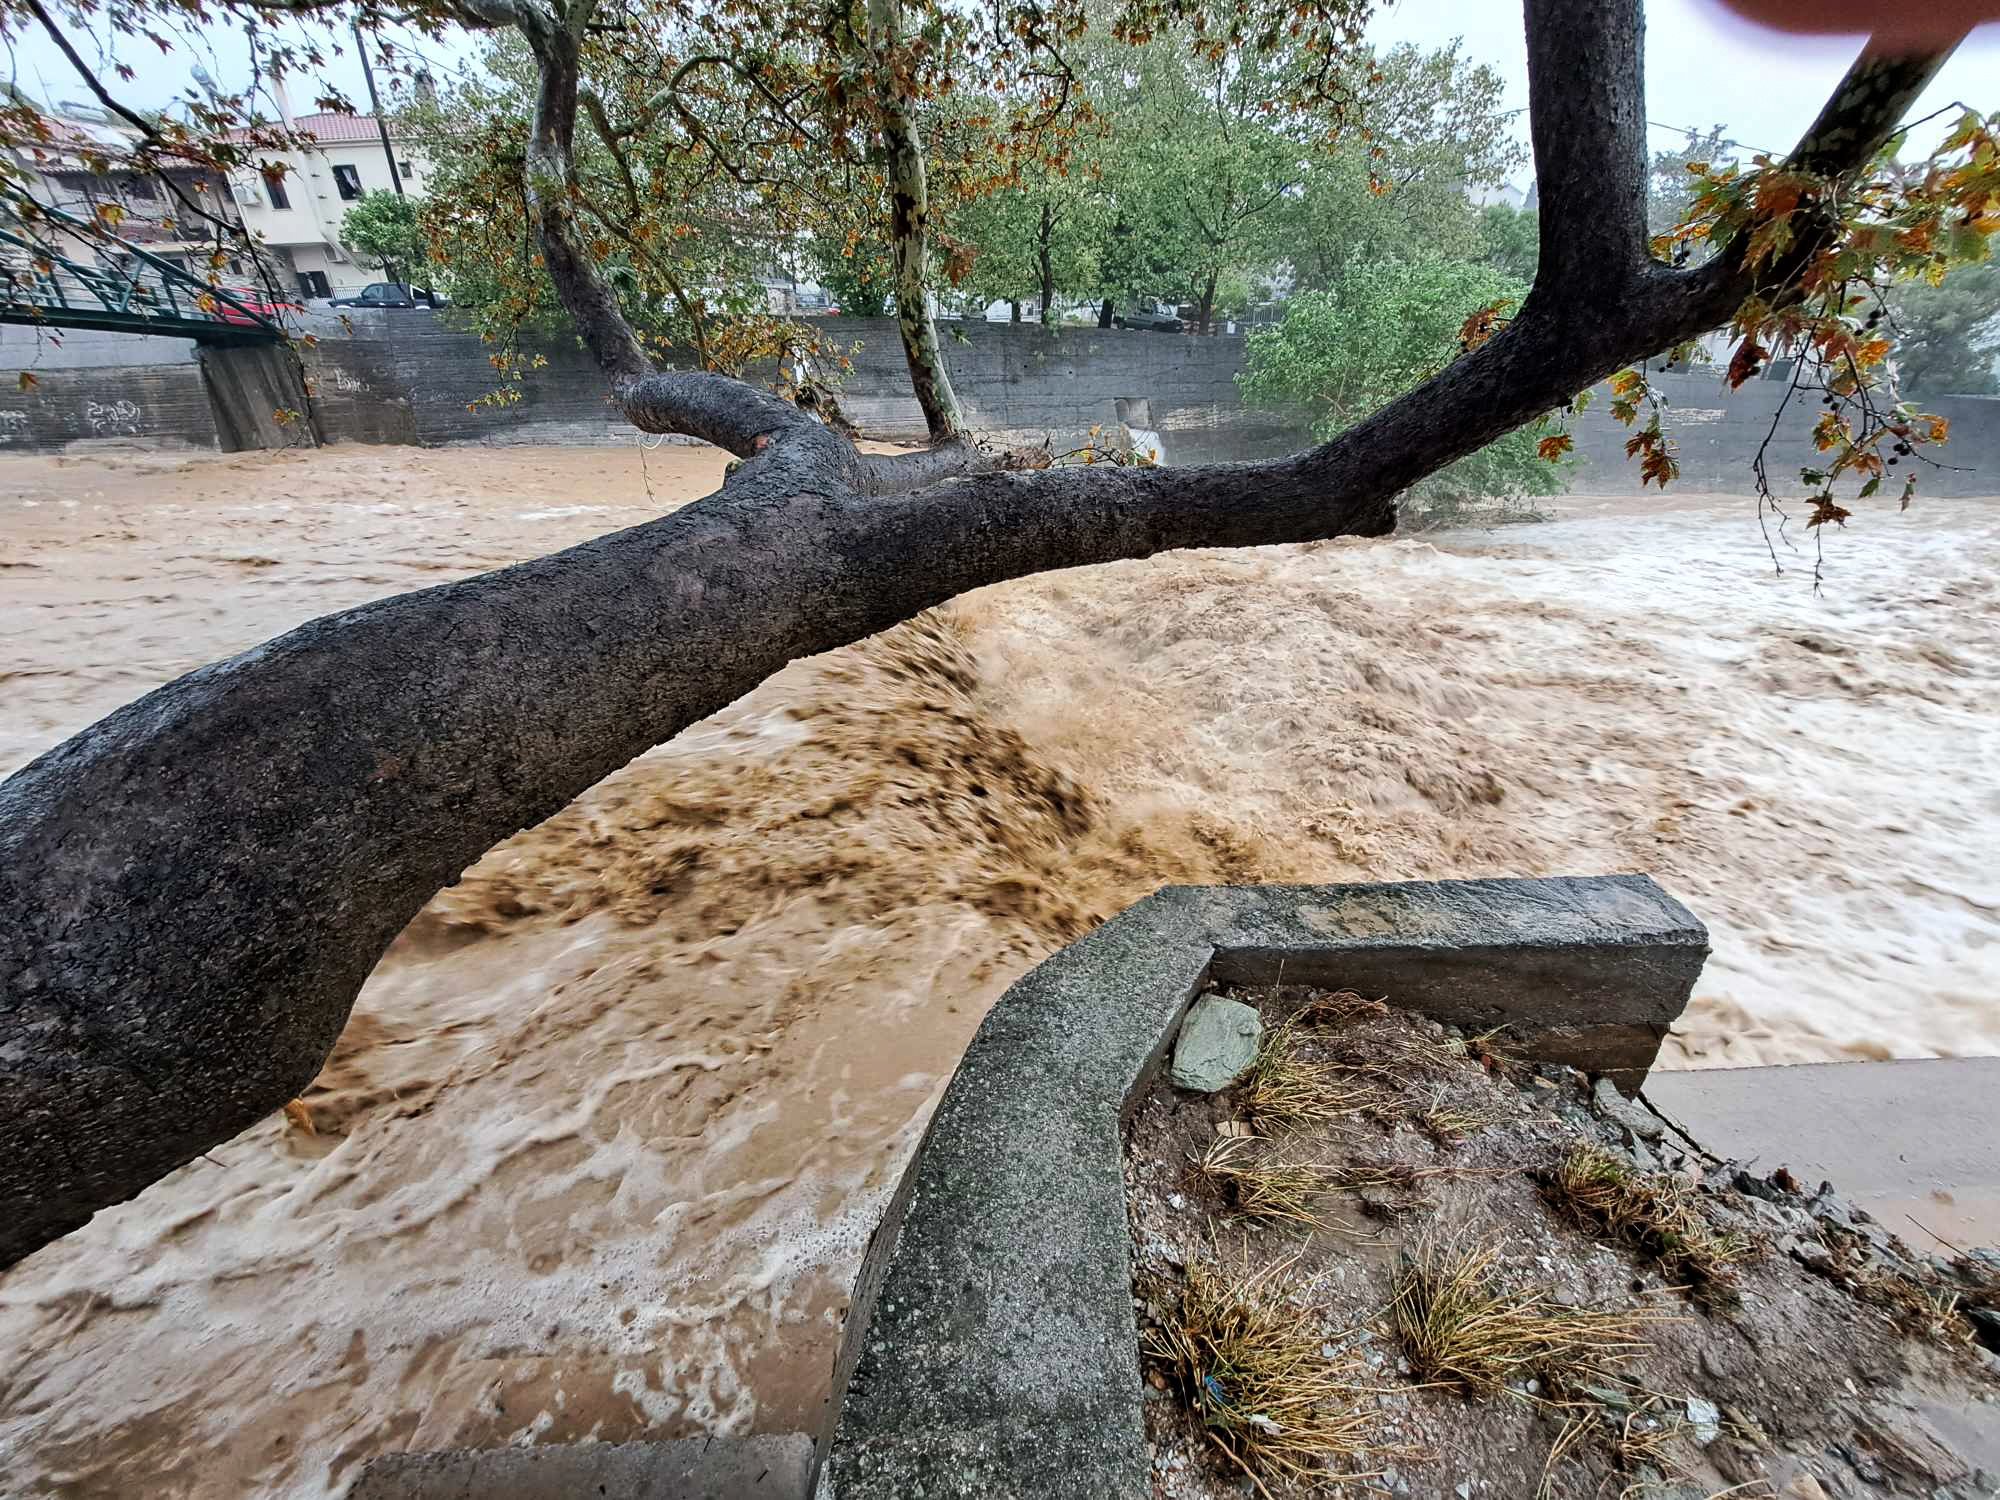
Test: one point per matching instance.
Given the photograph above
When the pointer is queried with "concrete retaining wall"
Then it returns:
(404, 377)
(257, 396)
(163, 405)
(415, 377)
(990, 1346)
(1716, 432)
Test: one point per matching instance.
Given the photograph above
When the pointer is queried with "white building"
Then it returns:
(85, 170)
(298, 214)
(1506, 193)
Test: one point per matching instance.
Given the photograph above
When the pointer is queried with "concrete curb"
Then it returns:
(686, 1469)
(990, 1342)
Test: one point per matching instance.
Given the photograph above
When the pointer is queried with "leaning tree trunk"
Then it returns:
(197, 886)
(1045, 260)
(909, 233)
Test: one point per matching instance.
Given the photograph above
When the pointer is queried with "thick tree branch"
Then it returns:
(732, 414)
(1597, 280)
(549, 179)
(1587, 116)
(899, 473)
(1863, 112)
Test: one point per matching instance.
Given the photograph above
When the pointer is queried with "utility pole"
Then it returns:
(375, 103)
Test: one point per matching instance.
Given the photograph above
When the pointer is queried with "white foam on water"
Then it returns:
(601, 1148)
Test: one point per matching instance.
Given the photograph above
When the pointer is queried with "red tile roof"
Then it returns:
(332, 129)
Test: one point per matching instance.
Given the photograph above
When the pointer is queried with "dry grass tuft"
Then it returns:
(1391, 1189)
(1456, 1324)
(1653, 1212)
(1342, 1008)
(1449, 1121)
(1250, 1369)
(1655, 1439)
(1929, 1310)
(1250, 1183)
(1289, 1090)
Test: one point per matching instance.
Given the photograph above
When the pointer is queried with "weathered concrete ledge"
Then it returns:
(686, 1469)
(990, 1346)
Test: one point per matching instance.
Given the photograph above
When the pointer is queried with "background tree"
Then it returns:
(856, 276)
(1948, 335)
(1042, 240)
(1433, 130)
(1510, 239)
(1203, 166)
(198, 884)
(682, 241)
(382, 229)
(1381, 329)
(1670, 187)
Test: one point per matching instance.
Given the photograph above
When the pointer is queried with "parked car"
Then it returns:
(251, 300)
(1152, 319)
(390, 294)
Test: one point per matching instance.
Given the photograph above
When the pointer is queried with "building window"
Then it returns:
(275, 186)
(315, 284)
(348, 180)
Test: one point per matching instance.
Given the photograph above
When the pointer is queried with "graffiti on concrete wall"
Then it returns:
(114, 418)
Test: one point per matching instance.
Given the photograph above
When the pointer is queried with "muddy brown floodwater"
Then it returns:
(601, 1146)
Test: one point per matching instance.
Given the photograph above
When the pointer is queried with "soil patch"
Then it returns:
(1392, 1258)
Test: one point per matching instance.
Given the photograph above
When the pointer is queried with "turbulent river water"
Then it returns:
(601, 1145)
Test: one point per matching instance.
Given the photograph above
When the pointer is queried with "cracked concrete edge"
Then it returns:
(990, 1341)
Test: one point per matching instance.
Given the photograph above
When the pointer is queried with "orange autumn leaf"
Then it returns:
(1555, 446)
(1777, 195)
(1745, 362)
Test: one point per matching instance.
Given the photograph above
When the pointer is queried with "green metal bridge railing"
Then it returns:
(43, 288)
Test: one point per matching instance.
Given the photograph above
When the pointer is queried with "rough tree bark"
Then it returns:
(197, 885)
(909, 231)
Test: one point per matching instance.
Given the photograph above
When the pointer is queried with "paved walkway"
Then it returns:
(1908, 1141)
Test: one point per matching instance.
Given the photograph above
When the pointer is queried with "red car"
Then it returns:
(252, 300)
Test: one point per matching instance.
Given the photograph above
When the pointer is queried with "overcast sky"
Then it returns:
(1703, 66)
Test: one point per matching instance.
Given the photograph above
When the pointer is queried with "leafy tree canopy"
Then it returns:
(382, 229)
(1948, 335)
(1510, 239)
(1380, 329)
(1433, 129)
